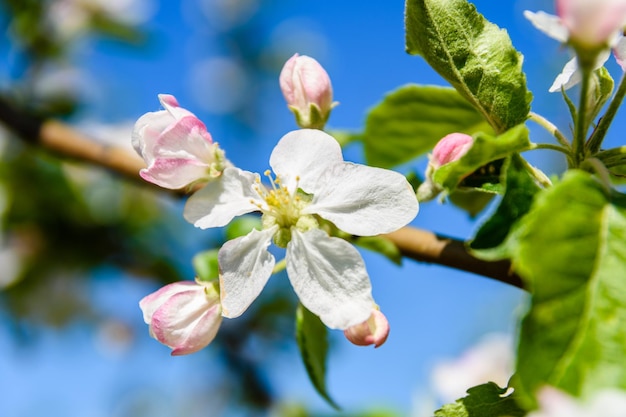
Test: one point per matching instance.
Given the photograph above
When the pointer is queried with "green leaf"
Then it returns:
(206, 265)
(311, 335)
(520, 189)
(472, 200)
(487, 400)
(600, 91)
(411, 120)
(485, 149)
(473, 55)
(571, 254)
(242, 225)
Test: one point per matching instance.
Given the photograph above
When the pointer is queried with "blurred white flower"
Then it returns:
(491, 360)
(556, 403)
(70, 18)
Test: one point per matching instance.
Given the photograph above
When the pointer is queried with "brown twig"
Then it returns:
(417, 244)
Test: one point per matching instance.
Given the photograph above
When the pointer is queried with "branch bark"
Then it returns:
(66, 142)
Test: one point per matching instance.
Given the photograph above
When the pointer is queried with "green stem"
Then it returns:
(280, 266)
(537, 174)
(550, 146)
(595, 165)
(567, 151)
(595, 141)
(582, 125)
(550, 127)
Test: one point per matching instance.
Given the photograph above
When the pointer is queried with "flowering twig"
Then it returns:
(593, 145)
(61, 139)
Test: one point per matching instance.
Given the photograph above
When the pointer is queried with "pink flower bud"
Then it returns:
(450, 148)
(592, 24)
(374, 331)
(176, 147)
(307, 90)
(183, 315)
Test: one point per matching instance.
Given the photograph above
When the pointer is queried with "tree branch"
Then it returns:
(62, 140)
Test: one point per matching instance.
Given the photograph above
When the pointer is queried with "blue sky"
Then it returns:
(434, 312)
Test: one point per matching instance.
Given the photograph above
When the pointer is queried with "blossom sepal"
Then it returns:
(313, 118)
(184, 316)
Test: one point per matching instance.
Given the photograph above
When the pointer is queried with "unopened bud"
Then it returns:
(183, 315)
(592, 24)
(450, 148)
(374, 331)
(307, 90)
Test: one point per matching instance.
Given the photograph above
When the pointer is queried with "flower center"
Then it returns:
(284, 208)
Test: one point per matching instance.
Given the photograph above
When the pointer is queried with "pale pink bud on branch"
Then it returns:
(373, 331)
(176, 147)
(184, 316)
(450, 148)
(307, 89)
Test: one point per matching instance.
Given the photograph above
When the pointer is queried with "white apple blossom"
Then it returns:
(604, 403)
(176, 147)
(491, 360)
(312, 183)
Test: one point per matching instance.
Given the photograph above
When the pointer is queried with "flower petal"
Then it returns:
(147, 130)
(363, 200)
(569, 77)
(187, 321)
(150, 303)
(304, 153)
(549, 24)
(170, 104)
(329, 277)
(620, 52)
(187, 137)
(245, 267)
(216, 204)
(174, 173)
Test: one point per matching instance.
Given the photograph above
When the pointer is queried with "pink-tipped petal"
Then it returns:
(451, 148)
(176, 140)
(374, 331)
(184, 316)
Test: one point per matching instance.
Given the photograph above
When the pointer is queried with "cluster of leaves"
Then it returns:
(566, 239)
